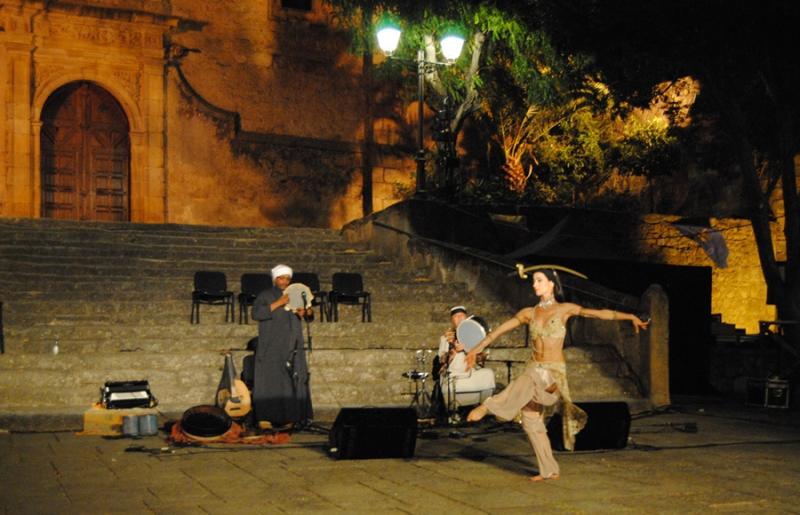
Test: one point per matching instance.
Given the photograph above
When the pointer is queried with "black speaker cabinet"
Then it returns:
(607, 428)
(364, 433)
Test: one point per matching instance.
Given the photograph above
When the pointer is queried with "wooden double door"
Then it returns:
(85, 149)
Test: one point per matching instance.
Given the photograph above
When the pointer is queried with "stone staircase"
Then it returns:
(117, 299)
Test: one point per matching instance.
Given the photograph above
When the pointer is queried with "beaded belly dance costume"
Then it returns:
(508, 403)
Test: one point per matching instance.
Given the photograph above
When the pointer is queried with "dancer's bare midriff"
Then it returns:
(548, 350)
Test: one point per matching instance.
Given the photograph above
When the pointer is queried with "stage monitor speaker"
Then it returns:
(607, 428)
(365, 433)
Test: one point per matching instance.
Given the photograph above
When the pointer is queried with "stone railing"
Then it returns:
(490, 277)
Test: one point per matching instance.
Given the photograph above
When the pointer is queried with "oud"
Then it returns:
(232, 394)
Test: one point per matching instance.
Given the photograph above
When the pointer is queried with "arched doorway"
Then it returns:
(85, 149)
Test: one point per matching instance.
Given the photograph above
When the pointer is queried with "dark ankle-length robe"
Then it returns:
(280, 388)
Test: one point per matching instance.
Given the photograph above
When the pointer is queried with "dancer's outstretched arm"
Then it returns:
(606, 314)
(523, 316)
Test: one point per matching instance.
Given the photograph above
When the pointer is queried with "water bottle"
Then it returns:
(55, 347)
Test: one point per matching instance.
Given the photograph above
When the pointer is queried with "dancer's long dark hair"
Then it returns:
(552, 275)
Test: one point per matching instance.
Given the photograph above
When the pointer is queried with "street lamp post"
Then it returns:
(451, 45)
(420, 129)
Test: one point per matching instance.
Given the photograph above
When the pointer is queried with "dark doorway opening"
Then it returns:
(688, 289)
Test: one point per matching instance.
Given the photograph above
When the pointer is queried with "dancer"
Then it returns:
(546, 371)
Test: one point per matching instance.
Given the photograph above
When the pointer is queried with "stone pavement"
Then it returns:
(739, 460)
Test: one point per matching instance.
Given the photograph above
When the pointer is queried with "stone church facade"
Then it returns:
(186, 111)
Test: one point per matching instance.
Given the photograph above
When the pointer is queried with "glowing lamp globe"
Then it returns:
(451, 46)
(388, 39)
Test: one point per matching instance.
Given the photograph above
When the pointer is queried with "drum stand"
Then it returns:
(453, 418)
(422, 398)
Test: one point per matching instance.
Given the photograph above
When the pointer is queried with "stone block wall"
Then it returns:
(739, 292)
(264, 127)
(297, 157)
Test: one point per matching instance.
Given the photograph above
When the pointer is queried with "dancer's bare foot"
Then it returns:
(477, 413)
(537, 478)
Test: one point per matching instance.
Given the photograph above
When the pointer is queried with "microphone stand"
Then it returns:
(308, 322)
(309, 425)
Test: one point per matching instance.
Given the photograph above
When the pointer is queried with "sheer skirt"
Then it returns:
(508, 404)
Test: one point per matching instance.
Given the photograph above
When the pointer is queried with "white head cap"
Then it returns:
(281, 270)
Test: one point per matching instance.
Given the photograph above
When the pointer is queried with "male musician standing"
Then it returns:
(281, 395)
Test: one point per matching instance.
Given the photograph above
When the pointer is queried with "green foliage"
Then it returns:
(572, 158)
(647, 147)
(542, 109)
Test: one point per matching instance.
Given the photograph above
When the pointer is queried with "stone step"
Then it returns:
(190, 379)
(177, 358)
(323, 263)
(334, 335)
(181, 289)
(158, 233)
(117, 297)
(258, 239)
(29, 312)
(121, 231)
(90, 276)
(17, 252)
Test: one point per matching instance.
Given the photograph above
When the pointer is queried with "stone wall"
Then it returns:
(240, 113)
(296, 158)
(46, 45)
(738, 292)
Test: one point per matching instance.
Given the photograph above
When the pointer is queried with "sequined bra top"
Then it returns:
(553, 328)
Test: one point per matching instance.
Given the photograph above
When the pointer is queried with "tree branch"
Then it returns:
(431, 72)
(470, 102)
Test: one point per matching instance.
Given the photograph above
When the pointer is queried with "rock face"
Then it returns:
(117, 299)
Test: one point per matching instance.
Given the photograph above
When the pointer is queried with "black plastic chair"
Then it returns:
(252, 285)
(321, 299)
(348, 288)
(211, 288)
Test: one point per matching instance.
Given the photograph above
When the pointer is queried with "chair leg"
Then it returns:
(335, 309)
(246, 319)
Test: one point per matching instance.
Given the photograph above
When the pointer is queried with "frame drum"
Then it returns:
(295, 292)
(471, 331)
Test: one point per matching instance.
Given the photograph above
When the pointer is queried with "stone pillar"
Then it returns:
(655, 343)
(19, 175)
(5, 166)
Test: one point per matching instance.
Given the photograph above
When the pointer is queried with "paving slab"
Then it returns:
(700, 456)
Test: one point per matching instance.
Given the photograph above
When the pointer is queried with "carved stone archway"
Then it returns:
(121, 50)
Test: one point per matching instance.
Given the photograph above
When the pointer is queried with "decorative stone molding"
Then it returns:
(44, 73)
(131, 80)
(122, 37)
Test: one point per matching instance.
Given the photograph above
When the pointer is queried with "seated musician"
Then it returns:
(460, 384)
